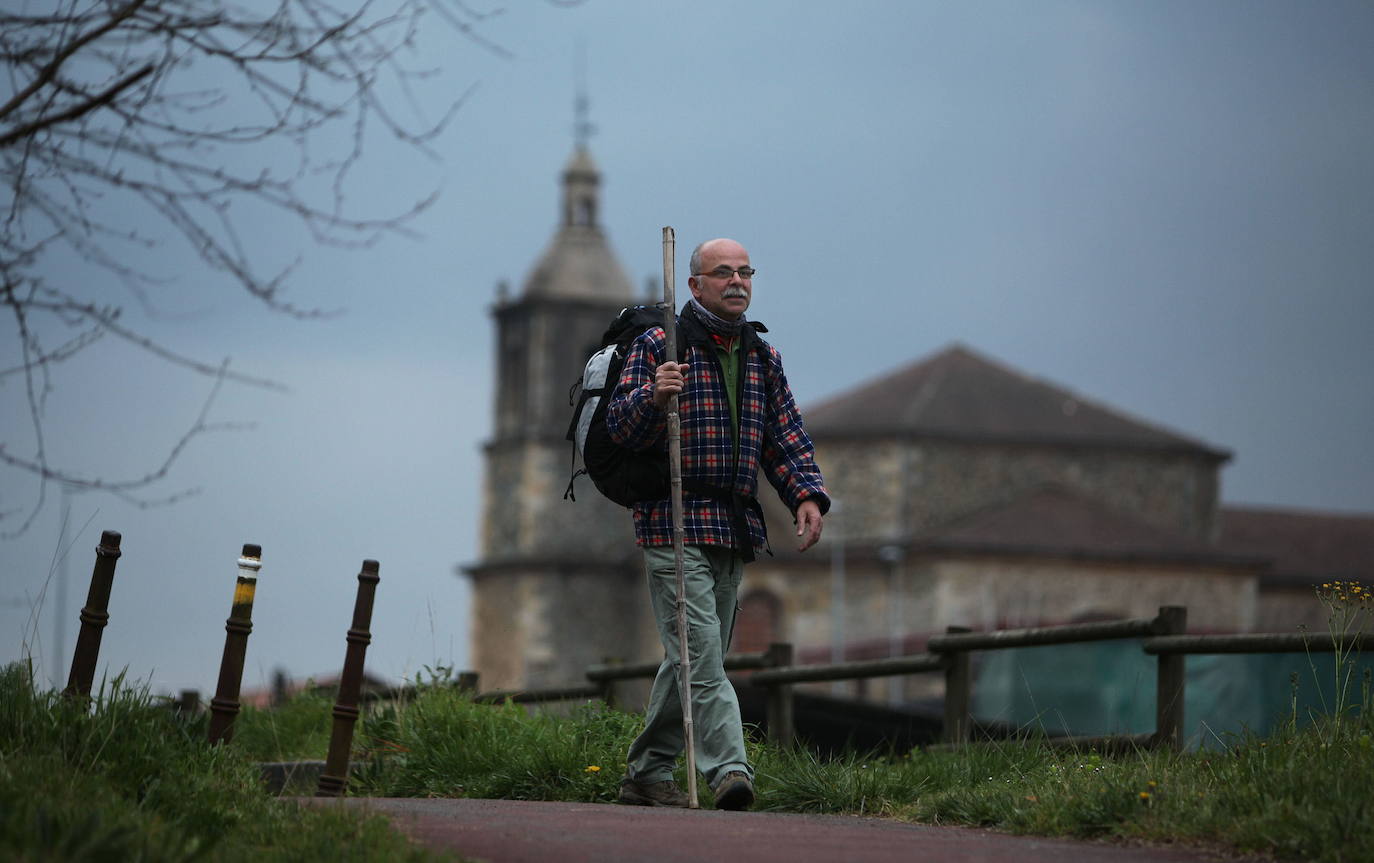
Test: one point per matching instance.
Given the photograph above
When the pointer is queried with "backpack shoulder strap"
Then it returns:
(631, 323)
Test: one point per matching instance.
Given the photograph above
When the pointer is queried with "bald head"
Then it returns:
(726, 296)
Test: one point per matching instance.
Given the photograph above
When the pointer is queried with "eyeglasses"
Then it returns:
(724, 272)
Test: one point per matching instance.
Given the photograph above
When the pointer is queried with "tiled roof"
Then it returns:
(960, 394)
(1058, 522)
(1307, 547)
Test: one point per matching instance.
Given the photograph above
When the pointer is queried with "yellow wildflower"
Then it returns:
(592, 768)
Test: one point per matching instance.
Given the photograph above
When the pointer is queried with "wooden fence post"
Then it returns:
(188, 703)
(224, 707)
(608, 686)
(334, 779)
(958, 689)
(94, 616)
(1169, 688)
(780, 717)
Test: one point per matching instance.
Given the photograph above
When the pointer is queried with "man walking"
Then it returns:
(737, 415)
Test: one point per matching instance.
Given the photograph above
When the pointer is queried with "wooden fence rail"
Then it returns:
(1163, 637)
(536, 696)
(1271, 642)
(614, 672)
(1069, 633)
(950, 653)
(912, 664)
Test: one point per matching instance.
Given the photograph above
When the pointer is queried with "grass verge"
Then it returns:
(122, 778)
(1303, 793)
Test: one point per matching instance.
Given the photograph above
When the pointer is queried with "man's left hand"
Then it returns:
(808, 524)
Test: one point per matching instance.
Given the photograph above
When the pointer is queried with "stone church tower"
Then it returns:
(558, 586)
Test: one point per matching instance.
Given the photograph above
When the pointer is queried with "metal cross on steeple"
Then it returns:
(582, 125)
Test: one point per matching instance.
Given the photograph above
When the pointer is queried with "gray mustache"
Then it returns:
(729, 293)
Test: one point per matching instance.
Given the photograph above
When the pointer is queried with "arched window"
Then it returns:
(758, 622)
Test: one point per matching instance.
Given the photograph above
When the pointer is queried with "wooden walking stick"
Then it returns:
(675, 482)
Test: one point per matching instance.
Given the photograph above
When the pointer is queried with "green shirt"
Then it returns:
(729, 363)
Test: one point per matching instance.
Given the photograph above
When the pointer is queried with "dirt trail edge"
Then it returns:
(516, 831)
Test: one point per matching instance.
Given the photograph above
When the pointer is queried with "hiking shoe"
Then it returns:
(665, 793)
(735, 791)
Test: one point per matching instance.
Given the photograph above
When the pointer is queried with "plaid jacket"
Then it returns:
(770, 435)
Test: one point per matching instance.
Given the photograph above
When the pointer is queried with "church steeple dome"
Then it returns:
(580, 182)
(579, 263)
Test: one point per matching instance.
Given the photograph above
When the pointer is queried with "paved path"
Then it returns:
(513, 831)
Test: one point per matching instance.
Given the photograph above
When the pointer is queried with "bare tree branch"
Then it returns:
(104, 97)
(181, 111)
(49, 71)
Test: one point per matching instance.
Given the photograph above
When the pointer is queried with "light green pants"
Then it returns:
(712, 575)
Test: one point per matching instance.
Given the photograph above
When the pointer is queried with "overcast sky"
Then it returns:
(1167, 207)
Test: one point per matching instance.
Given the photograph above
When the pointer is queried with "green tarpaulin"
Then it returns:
(1109, 688)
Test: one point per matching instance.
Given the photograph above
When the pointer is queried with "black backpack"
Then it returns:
(623, 475)
(628, 476)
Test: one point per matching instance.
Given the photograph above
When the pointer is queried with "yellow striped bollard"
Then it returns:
(224, 707)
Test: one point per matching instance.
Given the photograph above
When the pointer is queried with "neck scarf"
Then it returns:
(715, 324)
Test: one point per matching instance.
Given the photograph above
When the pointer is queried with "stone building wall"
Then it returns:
(524, 512)
(558, 585)
(1291, 610)
(983, 593)
(542, 347)
(993, 593)
(508, 633)
(805, 593)
(896, 488)
(543, 626)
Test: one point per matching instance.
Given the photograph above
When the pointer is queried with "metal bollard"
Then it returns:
(334, 779)
(467, 682)
(188, 704)
(224, 707)
(94, 616)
